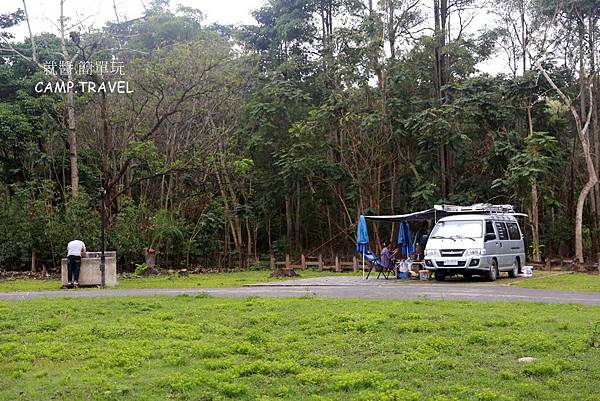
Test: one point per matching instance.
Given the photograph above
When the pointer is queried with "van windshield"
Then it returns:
(458, 229)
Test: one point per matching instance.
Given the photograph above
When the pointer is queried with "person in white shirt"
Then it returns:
(75, 250)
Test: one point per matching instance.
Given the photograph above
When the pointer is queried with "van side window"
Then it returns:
(502, 233)
(489, 228)
(513, 231)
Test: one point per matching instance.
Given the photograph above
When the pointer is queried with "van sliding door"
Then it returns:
(504, 257)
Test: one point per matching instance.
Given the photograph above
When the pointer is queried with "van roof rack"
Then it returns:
(477, 208)
(439, 211)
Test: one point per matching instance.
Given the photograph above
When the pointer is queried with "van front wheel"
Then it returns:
(492, 274)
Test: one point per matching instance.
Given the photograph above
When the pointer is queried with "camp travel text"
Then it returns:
(83, 87)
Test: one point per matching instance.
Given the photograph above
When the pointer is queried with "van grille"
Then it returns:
(451, 252)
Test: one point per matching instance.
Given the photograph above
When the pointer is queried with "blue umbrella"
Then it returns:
(404, 239)
(362, 239)
(362, 235)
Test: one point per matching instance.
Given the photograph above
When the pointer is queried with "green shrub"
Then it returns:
(285, 366)
(313, 376)
(542, 369)
(254, 368)
(594, 339)
(356, 380)
(508, 375)
(390, 395)
(141, 269)
(325, 361)
(480, 338)
(232, 390)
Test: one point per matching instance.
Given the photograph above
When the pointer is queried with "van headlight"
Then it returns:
(474, 252)
(432, 252)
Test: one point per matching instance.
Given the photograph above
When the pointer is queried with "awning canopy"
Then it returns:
(439, 211)
(429, 214)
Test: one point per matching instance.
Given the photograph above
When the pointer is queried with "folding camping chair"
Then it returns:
(374, 263)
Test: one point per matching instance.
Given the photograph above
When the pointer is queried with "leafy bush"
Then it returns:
(141, 269)
(127, 234)
(31, 219)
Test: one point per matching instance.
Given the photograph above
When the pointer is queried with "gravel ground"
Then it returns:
(344, 287)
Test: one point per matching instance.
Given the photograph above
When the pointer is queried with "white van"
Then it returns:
(475, 244)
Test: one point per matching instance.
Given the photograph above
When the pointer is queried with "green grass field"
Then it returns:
(201, 348)
(209, 280)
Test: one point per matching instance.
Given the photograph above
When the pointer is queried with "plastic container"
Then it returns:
(527, 271)
(424, 275)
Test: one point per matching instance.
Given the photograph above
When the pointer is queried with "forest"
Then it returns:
(236, 141)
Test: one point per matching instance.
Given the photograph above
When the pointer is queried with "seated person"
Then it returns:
(403, 269)
(385, 260)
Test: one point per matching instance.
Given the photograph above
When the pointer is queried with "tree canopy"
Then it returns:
(238, 141)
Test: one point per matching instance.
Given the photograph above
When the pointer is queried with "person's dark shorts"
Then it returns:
(73, 266)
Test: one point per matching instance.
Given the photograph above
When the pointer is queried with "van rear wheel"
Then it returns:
(515, 269)
(492, 274)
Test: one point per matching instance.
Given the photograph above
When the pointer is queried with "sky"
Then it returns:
(44, 14)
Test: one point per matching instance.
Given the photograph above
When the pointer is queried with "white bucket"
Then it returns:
(527, 271)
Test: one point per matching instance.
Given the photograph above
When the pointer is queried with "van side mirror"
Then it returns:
(489, 237)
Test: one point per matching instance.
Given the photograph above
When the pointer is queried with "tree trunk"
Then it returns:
(288, 220)
(105, 166)
(524, 39)
(440, 13)
(391, 28)
(535, 216)
(72, 139)
(150, 257)
(592, 180)
(297, 222)
(249, 240)
(535, 222)
(70, 102)
(33, 269)
(228, 211)
(582, 133)
(595, 128)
